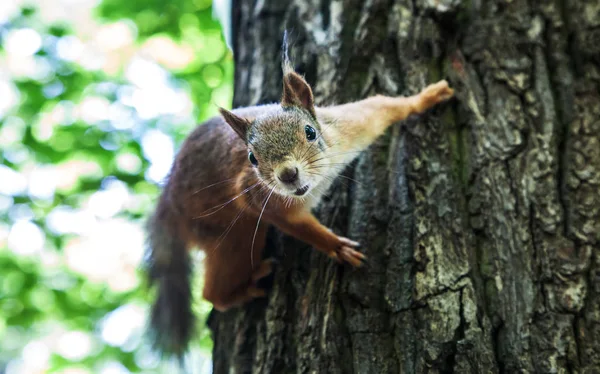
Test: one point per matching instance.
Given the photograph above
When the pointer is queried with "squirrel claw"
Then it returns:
(351, 256)
(350, 243)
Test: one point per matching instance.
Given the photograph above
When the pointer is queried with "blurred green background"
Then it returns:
(95, 99)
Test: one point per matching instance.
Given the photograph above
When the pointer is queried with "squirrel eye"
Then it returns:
(311, 133)
(252, 159)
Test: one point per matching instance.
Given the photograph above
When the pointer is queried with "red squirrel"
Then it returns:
(250, 168)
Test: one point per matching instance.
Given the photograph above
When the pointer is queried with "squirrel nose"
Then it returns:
(289, 175)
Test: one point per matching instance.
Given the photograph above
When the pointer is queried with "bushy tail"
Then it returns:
(169, 268)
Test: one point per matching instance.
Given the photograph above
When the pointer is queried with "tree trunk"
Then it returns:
(481, 219)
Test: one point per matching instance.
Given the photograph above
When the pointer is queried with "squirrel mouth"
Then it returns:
(301, 191)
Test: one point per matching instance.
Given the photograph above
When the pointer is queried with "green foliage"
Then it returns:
(77, 158)
(157, 16)
(191, 21)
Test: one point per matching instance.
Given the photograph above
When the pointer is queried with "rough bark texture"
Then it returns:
(481, 219)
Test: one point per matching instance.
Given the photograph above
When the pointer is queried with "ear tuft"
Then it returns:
(238, 124)
(297, 92)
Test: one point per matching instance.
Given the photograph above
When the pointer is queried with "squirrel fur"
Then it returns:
(249, 168)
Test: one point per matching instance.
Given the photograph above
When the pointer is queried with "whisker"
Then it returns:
(309, 156)
(257, 224)
(226, 232)
(332, 179)
(214, 184)
(324, 165)
(351, 179)
(333, 155)
(310, 193)
(223, 205)
(286, 202)
(339, 175)
(316, 151)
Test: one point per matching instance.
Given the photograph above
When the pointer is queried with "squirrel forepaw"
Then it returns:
(346, 252)
(436, 93)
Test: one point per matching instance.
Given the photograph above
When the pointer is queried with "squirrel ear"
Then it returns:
(297, 92)
(238, 124)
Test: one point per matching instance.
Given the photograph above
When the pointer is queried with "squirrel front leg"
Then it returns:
(303, 225)
(356, 125)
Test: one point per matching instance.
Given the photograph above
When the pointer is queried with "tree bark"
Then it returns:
(481, 219)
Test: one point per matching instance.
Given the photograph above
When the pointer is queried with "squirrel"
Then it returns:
(249, 168)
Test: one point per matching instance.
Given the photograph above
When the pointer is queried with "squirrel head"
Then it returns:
(285, 145)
